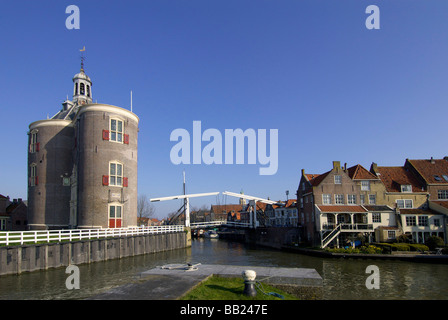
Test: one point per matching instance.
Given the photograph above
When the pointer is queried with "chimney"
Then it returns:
(303, 172)
(432, 160)
(336, 165)
(19, 200)
(14, 201)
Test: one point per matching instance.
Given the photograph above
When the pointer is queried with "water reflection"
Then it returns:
(343, 278)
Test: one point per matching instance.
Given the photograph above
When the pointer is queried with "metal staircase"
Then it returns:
(330, 237)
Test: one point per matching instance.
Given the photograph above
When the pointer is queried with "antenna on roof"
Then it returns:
(131, 100)
(82, 58)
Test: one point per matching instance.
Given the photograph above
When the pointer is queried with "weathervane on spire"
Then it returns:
(82, 58)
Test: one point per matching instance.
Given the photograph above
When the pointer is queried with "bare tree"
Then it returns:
(144, 209)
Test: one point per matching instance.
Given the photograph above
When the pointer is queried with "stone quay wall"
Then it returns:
(28, 258)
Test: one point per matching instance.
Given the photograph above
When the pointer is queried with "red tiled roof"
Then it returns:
(341, 208)
(394, 177)
(441, 203)
(358, 172)
(429, 169)
(417, 211)
(316, 179)
(226, 208)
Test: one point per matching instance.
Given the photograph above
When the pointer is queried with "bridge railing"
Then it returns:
(45, 236)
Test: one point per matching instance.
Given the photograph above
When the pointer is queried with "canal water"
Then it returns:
(342, 278)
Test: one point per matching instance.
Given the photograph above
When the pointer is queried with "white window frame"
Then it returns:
(406, 188)
(351, 199)
(423, 221)
(372, 199)
(115, 205)
(365, 185)
(376, 217)
(326, 198)
(116, 135)
(411, 221)
(362, 199)
(442, 194)
(114, 176)
(337, 179)
(405, 203)
(391, 234)
(338, 199)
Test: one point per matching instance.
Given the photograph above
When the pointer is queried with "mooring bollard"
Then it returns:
(249, 283)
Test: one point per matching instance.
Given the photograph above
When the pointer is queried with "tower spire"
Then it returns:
(82, 58)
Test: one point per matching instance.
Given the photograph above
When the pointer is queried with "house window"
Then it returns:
(115, 174)
(406, 188)
(423, 221)
(365, 185)
(326, 198)
(337, 179)
(339, 199)
(303, 186)
(362, 199)
(2, 224)
(372, 199)
(436, 222)
(376, 217)
(116, 130)
(442, 194)
(445, 177)
(410, 221)
(115, 216)
(351, 199)
(404, 203)
(391, 234)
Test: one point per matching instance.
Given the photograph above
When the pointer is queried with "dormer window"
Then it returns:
(406, 188)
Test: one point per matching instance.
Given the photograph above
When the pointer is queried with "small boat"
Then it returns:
(211, 234)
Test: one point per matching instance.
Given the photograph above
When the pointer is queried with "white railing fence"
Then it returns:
(41, 236)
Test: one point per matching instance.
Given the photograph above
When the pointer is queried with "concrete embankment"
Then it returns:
(27, 258)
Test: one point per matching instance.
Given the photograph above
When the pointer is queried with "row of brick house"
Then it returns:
(13, 214)
(381, 204)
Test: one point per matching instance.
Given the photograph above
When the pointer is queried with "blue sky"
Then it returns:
(309, 68)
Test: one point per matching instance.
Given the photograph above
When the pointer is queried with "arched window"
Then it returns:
(76, 88)
(88, 91)
(81, 88)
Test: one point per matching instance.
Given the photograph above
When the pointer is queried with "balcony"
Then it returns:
(349, 227)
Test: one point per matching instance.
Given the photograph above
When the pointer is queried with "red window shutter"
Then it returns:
(105, 134)
(118, 223)
(125, 182)
(111, 223)
(105, 180)
(37, 147)
(126, 139)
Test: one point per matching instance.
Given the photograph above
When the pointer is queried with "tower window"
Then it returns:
(82, 89)
(76, 89)
(33, 180)
(115, 174)
(115, 216)
(116, 130)
(88, 91)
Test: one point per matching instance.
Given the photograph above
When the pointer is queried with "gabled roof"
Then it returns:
(431, 170)
(316, 179)
(358, 172)
(394, 177)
